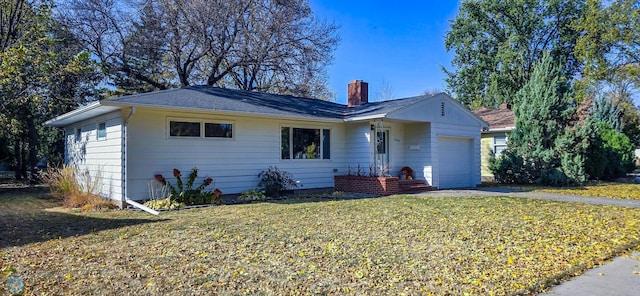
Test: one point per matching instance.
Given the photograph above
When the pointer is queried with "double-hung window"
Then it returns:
(305, 143)
(499, 144)
(102, 131)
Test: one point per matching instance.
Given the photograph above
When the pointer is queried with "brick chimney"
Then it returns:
(357, 93)
(505, 106)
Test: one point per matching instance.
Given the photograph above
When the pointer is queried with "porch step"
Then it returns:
(407, 186)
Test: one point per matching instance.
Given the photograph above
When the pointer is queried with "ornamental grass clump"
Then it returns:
(74, 190)
(62, 181)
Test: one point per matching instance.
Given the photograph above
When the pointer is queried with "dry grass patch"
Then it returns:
(600, 189)
(391, 245)
(76, 191)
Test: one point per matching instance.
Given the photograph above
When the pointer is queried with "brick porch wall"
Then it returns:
(364, 184)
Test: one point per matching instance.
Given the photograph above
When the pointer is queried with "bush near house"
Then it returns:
(185, 193)
(275, 182)
(75, 191)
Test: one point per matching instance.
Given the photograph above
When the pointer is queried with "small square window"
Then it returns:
(102, 130)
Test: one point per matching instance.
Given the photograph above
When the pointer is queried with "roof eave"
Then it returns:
(88, 111)
(365, 117)
(499, 129)
(189, 109)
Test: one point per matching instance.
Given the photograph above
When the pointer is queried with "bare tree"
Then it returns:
(431, 92)
(15, 18)
(386, 92)
(264, 45)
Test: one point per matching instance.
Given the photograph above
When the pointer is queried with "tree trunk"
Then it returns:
(17, 152)
(23, 160)
(33, 151)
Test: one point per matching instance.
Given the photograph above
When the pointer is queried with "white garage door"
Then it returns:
(455, 160)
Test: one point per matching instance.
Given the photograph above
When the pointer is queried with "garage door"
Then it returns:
(455, 159)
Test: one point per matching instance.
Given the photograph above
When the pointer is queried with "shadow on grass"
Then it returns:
(24, 220)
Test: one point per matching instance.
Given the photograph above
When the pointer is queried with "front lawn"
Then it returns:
(391, 245)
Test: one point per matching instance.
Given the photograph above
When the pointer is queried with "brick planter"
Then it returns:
(364, 184)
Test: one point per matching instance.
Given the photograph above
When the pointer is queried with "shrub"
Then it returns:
(75, 191)
(158, 189)
(62, 182)
(252, 195)
(185, 193)
(164, 204)
(274, 182)
(96, 203)
(612, 155)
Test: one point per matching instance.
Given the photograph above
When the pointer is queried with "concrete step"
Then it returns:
(413, 186)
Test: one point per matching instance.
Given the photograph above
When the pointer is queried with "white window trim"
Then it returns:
(506, 143)
(291, 127)
(202, 128)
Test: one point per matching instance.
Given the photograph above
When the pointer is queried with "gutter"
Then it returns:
(225, 112)
(367, 117)
(73, 113)
(500, 129)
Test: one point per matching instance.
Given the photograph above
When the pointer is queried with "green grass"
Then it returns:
(390, 245)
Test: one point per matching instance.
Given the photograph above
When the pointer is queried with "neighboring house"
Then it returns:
(494, 139)
(233, 135)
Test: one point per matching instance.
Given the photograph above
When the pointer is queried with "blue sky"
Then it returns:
(397, 43)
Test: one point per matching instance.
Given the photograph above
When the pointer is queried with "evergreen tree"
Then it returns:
(543, 108)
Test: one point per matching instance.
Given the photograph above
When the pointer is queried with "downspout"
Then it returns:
(126, 200)
(123, 164)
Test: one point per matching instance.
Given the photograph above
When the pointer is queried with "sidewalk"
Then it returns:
(618, 277)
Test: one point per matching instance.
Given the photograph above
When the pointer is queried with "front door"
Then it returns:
(381, 153)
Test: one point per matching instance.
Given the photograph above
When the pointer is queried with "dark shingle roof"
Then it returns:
(214, 98)
(496, 118)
